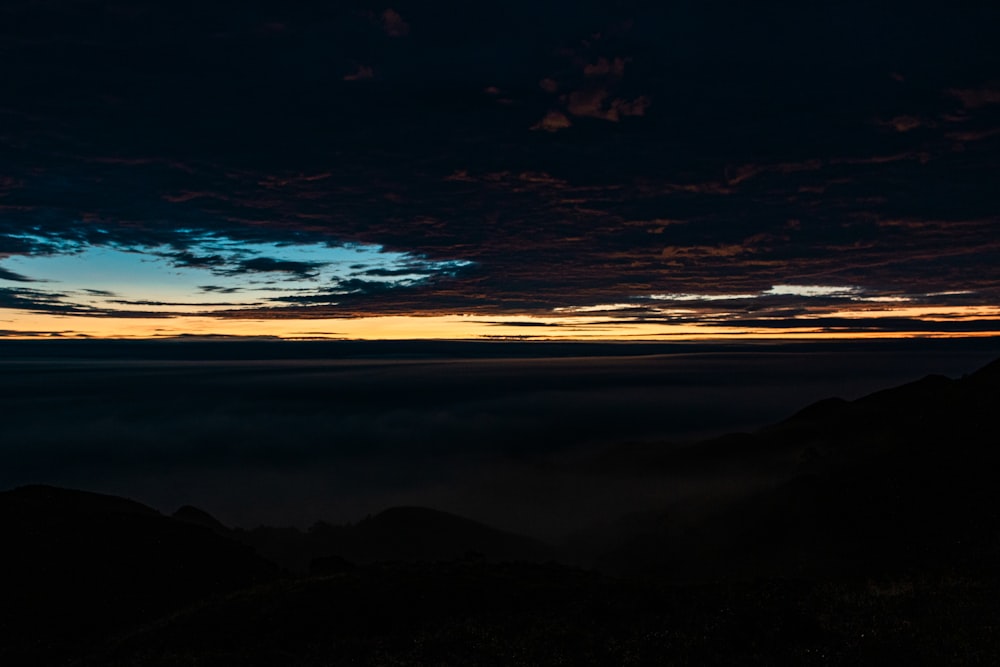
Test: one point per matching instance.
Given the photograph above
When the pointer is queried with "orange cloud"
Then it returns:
(603, 67)
(973, 98)
(594, 103)
(553, 122)
(636, 107)
(394, 24)
(905, 123)
(973, 135)
(698, 252)
(363, 72)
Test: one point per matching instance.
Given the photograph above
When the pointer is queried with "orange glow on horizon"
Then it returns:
(471, 327)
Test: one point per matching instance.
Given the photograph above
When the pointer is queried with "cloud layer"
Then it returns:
(567, 157)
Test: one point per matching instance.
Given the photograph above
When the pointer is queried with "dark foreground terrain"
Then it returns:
(874, 539)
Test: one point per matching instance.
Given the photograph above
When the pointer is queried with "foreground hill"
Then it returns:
(76, 567)
(398, 534)
(520, 614)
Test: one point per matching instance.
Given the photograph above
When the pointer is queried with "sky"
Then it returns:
(627, 170)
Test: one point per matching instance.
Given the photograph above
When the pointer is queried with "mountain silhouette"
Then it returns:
(416, 533)
(901, 478)
(199, 517)
(77, 566)
(398, 534)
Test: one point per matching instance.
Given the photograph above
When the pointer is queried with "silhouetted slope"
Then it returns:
(415, 533)
(466, 613)
(406, 534)
(200, 517)
(902, 478)
(76, 566)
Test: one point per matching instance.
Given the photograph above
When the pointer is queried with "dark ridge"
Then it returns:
(987, 375)
(199, 517)
(899, 480)
(40, 499)
(470, 613)
(828, 408)
(930, 390)
(421, 534)
(77, 567)
(400, 534)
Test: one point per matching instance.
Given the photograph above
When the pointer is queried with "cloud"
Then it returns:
(185, 304)
(16, 333)
(975, 98)
(270, 265)
(37, 301)
(590, 103)
(969, 136)
(697, 252)
(389, 273)
(906, 123)
(13, 277)
(58, 303)
(549, 85)
(362, 73)
(595, 95)
(393, 24)
(402, 166)
(595, 103)
(553, 121)
(219, 289)
(524, 323)
(614, 68)
(634, 107)
(189, 259)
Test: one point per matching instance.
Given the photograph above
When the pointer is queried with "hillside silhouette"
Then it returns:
(874, 536)
(79, 566)
(902, 478)
(398, 534)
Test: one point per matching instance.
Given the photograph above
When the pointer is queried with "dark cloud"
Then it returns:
(360, 74)
(394, 24)
(219, 289)
(35, 334)
(13, 276)
(269, 265)
(57, 303)
(127, 302)
(553, 121)
(37, 301)
(516, 323)
(973, 98)
(862, 325)
(390, 273)
(613, 68)
(189, 259)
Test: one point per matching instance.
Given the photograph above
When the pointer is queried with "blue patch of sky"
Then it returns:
(133, 276)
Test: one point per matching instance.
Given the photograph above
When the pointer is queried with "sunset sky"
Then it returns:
(631, 170)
